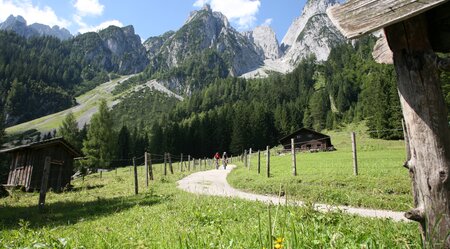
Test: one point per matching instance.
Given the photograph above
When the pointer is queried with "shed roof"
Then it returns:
(359, 17)
(46, 143)
(302, 129)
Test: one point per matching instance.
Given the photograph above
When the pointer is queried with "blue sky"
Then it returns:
(150, 17)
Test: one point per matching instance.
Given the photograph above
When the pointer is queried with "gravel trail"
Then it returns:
(214, 182)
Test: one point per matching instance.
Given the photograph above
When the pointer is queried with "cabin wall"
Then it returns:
(20, 169)
(27, 167)
(307, 141)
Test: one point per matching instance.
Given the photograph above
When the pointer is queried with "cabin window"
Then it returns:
(310, 135)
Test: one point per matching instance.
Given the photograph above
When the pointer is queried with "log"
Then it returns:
(425, 116)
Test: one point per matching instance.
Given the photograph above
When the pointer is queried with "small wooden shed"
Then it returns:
(415, 32)
(27, 164)
(307, 140)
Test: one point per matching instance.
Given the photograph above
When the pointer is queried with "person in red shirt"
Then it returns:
(216, 159)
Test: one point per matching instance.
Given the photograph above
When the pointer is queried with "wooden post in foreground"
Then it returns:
(136, 191)
(165, 163)
(294, 161)
(189, 162)
(245, 159)
(150, 166)
(268, 161)
(425, 112)
(146, 168)
(355, 157)
(249, 158)
(259, 162)
(170, 163)
(181, 163)
(44, 183)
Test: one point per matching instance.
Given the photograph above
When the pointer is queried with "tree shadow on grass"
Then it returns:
(71, 212)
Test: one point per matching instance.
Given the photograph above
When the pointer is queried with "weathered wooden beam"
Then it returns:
(359, 17)
(426, 121)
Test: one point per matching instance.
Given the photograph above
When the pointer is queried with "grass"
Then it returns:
(327, 177)
(88, 101)
(105, 213)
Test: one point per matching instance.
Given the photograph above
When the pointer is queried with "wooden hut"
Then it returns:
(307, 140)
(415, 32)
(27, 164)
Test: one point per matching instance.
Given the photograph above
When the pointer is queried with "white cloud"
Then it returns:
(200, 3)
(89, 7)
(84, 27)
(267, 22)
(243, 12)
(31, 13)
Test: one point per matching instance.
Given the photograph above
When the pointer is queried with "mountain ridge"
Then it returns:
(19, 25)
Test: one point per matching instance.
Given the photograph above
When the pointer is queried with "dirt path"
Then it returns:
(214, 182)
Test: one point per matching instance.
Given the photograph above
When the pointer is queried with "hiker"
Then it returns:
(216, 159)
(225, 160)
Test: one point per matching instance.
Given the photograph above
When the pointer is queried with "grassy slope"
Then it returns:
(327, 177)
(87, 105)
(105, 213)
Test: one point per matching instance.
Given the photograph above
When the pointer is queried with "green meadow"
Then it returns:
(104, 212)
(327, 177)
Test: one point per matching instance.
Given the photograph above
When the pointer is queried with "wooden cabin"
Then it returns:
(307, 140)
(27, 164)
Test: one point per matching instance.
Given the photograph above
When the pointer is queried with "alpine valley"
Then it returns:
(204, 78)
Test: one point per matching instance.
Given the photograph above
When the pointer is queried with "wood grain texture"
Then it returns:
(359, 17)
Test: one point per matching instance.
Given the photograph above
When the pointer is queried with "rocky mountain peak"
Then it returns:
(311, 8)
(265, 38)
(207, 7)
(311, 34)
(19, 26)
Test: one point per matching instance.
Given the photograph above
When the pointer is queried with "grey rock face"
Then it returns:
(19, 25)
(208, 30)
(265, 38)
(153, 44)
(311, 34)
(44, 30)
(126, 46)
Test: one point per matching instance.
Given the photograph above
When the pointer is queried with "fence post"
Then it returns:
(181, 163)
(136, 191)
(146, 169)
(355, 158)
(189, 162)
(249, 158)
(170, 163)
(165, 163)
(268, 161)
(259, 162)
(294, 161)
(245, 159)
(44, 182)
(150, 166)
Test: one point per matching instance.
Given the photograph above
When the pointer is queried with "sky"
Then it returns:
(151, 17)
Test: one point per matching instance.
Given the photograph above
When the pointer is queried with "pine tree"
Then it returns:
(69, 131)
(124, 148)
(98, 147)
